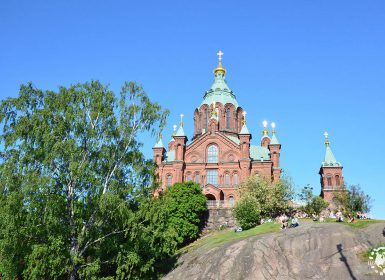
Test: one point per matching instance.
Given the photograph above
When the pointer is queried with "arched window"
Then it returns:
(188, 177)
(197, 178)
(169, 180)
(329, 178)
(231, 201)
(212, 154)
(235, 178)
(338, 182)
(228, 118)
(227, 179)
(205, 119)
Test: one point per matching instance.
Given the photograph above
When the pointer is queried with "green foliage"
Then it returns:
(314, 205)
(353, 200)
(260, 198)
(248, 212)
(74, 184)
(186, 206)
(318, 204)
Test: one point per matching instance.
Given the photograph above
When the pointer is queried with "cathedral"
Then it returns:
(220, 155)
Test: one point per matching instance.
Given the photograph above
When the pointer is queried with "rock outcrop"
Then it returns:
(311, 251)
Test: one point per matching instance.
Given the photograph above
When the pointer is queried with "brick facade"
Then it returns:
(331, 178)
(220, 155)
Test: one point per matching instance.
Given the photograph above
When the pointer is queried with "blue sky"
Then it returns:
(310, 66)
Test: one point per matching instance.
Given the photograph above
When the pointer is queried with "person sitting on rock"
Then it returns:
(294, 222)
(351, 218)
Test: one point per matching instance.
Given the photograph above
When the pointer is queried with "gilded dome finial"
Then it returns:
(220, 68)
(327, 143)
(265, 132)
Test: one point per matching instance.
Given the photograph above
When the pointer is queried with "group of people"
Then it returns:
(284, 220)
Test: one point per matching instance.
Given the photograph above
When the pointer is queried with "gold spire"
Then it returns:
(244, 118)
(265, 132)
(273, 128)
(327, 143)
(181, 120)
(220, 68)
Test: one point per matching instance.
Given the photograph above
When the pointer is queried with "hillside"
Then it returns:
(311, 251)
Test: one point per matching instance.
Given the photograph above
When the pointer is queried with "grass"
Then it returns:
(355, 224)
(225, 236)
(363, 223)
(364, 256)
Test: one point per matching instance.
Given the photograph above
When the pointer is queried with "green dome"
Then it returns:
(219, 91)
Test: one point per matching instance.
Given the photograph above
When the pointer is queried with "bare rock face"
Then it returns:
(311, 251)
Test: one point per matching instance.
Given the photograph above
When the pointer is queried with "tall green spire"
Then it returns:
(244, 129)
(159, 144)
(329, 160)
(274, 139)
(180, 131)
(219, 91)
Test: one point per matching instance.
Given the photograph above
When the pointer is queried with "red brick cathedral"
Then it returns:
(220, 155)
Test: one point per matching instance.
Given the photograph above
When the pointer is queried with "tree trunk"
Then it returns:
(74, 250)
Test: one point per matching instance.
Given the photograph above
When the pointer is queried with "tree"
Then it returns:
(317, 205)
(313, 205)
(353, 200)
(248, 212)
(272, 198)
(186, 206)
(72, 178)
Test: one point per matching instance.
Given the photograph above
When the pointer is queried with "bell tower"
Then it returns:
(331, 178)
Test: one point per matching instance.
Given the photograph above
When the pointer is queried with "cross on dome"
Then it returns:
(220, 54)
(326, 135)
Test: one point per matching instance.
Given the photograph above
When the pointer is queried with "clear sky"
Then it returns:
(310, 66)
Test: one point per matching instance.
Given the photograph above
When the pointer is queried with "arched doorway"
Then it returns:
(211, 201)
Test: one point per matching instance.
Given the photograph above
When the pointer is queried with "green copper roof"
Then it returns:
(180, 132)
(259, 152)
(330, 160)
(274, 140)
(170, 156)
(244, 130)
(219, 92)
(159, 144)
(234, 139)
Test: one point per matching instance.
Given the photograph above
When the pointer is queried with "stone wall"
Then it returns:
(217, 217)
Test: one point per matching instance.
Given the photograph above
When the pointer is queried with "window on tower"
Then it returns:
(212, 154)
(338, 182)
(228, 118)
(205, 119)
(329, 178)
(212, 176)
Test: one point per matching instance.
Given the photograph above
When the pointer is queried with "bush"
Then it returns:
(248, 212)
(260, 198)
(186, 206)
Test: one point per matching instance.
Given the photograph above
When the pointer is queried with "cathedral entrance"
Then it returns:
(211, 201)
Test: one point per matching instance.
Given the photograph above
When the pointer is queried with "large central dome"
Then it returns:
(219, 91)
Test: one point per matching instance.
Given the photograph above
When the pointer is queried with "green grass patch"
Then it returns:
(363, 223)
(225, 236)
(364, 256)
(355, 224)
